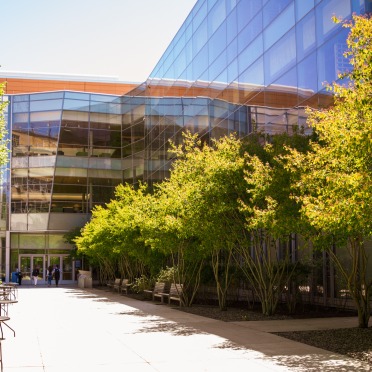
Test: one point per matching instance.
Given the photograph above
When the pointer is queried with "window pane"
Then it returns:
(46, 105)
(31, 241)
(254, 74)
(280, 57)
(330, 59)
(216, 16)
(326, 10)
(272, 9)
(305, 32)
(75, 95)
(245, 11)
(307, 76)
(231, 26)
(71, 104)
(249, 33)
(250, 54)
(21, 106)
(200, 38)
(284, 22)
(46, 96)
(303, 7)
(217, 43)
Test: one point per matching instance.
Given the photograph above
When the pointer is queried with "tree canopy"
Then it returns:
(335, 177)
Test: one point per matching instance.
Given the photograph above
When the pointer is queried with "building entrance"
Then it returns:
(27, 263)
(65, 265)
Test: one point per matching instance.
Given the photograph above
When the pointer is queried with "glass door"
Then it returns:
(25, 265)
(64, 263)
(29, 262)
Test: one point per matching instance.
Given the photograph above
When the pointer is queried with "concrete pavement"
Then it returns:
(70, 329)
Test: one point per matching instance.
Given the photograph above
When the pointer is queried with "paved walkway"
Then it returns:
(69, 329)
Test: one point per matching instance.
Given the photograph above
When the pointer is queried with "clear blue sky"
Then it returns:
(122, 38)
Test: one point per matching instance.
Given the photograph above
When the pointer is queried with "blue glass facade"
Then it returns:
(257, 43)
(234, 66)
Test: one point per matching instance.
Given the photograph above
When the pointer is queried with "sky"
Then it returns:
(111, 38)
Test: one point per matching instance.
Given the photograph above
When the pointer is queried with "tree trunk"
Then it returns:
(221, 271)
(363, 317)
(188, 274)
(356, 278)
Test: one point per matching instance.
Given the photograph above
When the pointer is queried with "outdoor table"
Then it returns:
(4, 306)
(4, 319)
(5, 292)
(14, 286)
(8, 291)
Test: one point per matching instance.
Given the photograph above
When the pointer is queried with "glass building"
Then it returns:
(234, 66)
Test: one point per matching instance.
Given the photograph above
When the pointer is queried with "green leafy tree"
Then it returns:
(130, 210)
(272, 218)
(113, 238)
(172, 226)
(210, 177)
(334, 188)
(95, 244)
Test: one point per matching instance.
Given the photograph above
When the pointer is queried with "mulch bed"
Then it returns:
(354, 342)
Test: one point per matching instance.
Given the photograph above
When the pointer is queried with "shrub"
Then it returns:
(140, 284)
(168, 274)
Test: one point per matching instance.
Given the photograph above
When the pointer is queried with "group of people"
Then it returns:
(56, 274)
(52, 274)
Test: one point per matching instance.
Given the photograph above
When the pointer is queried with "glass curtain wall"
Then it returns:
(271, 55)
(70, 150)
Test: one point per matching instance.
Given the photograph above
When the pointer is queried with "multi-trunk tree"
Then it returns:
(271, 219)
(334, 187)
(202, 194)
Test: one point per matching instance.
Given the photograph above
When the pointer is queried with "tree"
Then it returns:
(334, 188)
(94, 242)
(272, 218)
(213, 176)
(114, 237)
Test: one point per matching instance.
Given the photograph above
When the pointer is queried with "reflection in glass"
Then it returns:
(280, 57)
(303, 7)
(278, 27)
(272, 10)
(306, 38)
(330, 60)
(307, 77)
(326, 11)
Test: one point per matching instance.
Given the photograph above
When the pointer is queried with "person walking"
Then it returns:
(20, 276)
(50, 275)
(35, 275)
(57, 275)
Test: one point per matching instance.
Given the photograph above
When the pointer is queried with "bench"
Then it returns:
(175, 293)
(124, 286)
(115, 284)
(158, 288)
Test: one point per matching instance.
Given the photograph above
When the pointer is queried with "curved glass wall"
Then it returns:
(71, 159)
(261, 53)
